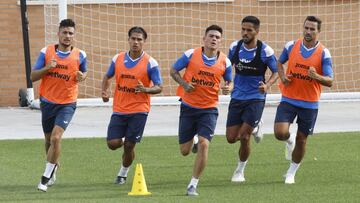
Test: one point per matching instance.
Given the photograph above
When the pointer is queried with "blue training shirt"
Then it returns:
(247, 87)
(305, 52)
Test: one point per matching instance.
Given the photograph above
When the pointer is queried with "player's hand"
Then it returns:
(140, 87)
(286, 80)
(80, 76)
(226, 88)
(52, 63)
(105, 96)
(263, 87)
(189, 87)
(312, 72)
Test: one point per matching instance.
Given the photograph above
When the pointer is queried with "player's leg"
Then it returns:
(133, 135)
(306, 122)
(285, 115)
(206, 123)
(47, 141)
(58, 118)
(187, 128)
(234, 122)
(116, 131)
(251, 115)
(244, 152)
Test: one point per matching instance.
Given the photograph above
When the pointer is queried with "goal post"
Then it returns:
(177, 25)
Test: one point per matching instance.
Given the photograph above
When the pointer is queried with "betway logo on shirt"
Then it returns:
(301, 76)
(126, 89)
(59, 75)
(202, 82)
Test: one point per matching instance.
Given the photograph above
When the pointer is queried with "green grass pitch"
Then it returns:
(330, 171)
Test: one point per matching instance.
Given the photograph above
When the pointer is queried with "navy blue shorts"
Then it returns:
(196, 121)
(130, 126)
(306, 118)
(248, 111)
(56, 114)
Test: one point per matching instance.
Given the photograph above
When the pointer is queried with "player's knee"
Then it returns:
(55, 140)
(244, 139)
(300, 141)
(203, 144)
(230, 138)
(184, 152)
(114, 144)
(111, 146)
(129, 145)
(185, 149)
(281, 135)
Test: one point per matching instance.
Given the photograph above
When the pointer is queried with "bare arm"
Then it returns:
(188, 87)
(104, 88)
(285, 79)
(264, 87)
(156, 89)
(81, 76)
(38, 74)
(323, 80)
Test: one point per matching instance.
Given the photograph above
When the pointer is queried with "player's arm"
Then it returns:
(188, 87)
(271, 62)
(180, 64)
(226, 89)
(284, 57)
(104, 88)
(82, 73)
(154, 75)
(327, 78)
(323, 80)
(106, 80)
(40, 68)
(155, 89)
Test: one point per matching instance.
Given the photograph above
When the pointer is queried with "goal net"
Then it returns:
(177, 25)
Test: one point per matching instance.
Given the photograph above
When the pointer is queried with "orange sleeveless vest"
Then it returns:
(59, 85)
(126, 100)
(206, 78)
(302, 87)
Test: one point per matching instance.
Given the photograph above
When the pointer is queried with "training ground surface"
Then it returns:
(24, 123)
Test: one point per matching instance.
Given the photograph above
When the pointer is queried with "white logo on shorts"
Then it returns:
(137, 137)
(211, 135)
(66, 122)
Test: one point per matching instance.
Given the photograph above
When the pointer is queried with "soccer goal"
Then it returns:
(174, 26)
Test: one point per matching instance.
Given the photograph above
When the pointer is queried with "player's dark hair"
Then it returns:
(214, 27)
(67, 23)
(137, 29)
(314, 19)
(252, 19)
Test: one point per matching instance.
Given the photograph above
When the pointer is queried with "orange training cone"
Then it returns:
(139, 184)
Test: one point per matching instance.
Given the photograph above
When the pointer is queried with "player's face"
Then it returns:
(136, 42)
(212, 39)
(248, 32)
(66, 36)
(311, 31)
